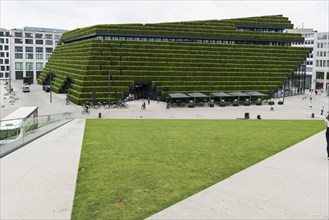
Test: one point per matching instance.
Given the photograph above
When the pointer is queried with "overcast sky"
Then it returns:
(68, 15)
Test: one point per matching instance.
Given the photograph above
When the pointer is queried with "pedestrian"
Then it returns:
(148, 100)
(326, 123)
(322, 109)
(143, 106)
(272, 107)
(310, 104)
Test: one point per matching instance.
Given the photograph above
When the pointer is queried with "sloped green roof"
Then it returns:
(220, 29)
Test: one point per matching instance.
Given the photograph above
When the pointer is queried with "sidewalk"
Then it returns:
(292, 184)
(38, 180)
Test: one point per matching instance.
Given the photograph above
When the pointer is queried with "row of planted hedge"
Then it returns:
(156, 79)
(212, 83)
(179, 29)
(82, 100)
(117, 45)
(264, 21)
(217, 87)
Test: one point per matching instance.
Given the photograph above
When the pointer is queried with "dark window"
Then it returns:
(49, 50)
(18, 34)
(18, 49)
(19, 74)
(29, 74)
(28, 49)
(38, 35)
(29, 35)
(39, 49)
(18, 41)
(18, 55)
(29, 41)
(39, 41)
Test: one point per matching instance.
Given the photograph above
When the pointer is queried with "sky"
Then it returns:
(69, 15)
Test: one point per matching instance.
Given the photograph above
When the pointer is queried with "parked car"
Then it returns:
(26, 87)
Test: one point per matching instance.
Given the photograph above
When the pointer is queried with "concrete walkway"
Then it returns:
(38, 180)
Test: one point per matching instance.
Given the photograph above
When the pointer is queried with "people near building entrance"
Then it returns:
(322, 109)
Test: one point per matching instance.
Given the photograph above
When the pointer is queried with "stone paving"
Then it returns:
(38, 181)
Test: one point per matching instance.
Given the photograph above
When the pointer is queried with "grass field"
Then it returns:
(131, 169)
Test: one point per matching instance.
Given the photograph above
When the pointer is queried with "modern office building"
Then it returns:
(4, 53)
(321, 58)
(24, 52)
(309, 38)
(106, 62)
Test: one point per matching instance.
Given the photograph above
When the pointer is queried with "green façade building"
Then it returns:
(153, 60)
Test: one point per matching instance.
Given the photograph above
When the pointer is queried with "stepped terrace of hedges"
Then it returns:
(222, 56)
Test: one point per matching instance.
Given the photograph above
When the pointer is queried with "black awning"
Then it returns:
(197, 95)
(178, 95)
(255, 93)
(221, 94)
(239, 94)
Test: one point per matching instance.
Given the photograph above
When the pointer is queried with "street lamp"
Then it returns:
(109, 90)
(50, 96)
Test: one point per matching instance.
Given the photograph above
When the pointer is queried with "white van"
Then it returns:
(26, 88)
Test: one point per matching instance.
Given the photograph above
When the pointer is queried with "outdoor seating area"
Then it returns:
(220, 99)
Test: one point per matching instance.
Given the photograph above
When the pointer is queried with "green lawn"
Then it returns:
(131, 169)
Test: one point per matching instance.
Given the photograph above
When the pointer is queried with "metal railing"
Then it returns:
(29, 130)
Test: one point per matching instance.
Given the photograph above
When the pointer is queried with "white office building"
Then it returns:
(309, 39)
(4, 53)
(29, 50)
(321, 59)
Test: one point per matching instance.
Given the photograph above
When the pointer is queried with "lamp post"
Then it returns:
(284, 90)
(109, 90)
(9, 79)
(50, 96)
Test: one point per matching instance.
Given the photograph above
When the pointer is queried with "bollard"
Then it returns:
(246, 115)
(99, 115)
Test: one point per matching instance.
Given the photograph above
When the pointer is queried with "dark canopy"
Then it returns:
(221, 94)
(197, 95)
(239, 94)
(178, 95)
(255, 93)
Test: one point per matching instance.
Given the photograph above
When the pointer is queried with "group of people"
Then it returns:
(144, 105)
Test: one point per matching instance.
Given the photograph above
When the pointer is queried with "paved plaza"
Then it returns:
(38, 180)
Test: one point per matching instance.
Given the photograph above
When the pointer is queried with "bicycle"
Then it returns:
(85, 110)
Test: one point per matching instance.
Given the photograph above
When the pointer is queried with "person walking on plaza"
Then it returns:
(326, 123)
(322, 109)
(272, 108)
